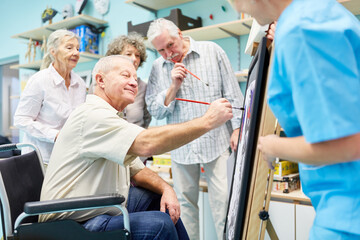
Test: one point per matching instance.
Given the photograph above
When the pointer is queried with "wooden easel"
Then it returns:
(261, 182)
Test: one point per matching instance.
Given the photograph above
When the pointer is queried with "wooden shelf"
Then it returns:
(155, 5)
(297, 197)
(38, 33)
(33, 65)
(222, 30)
(352, 5)
(84, 57)
(87, 57)
(242, 76)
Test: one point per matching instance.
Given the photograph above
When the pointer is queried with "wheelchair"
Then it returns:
(21, 179)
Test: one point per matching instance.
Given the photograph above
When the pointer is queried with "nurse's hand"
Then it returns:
(270, 33)
(265, 145)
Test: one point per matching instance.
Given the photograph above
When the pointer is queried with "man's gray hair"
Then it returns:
(104, 65)
(158, 26)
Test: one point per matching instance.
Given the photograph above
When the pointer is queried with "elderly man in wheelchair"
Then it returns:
(95, 155)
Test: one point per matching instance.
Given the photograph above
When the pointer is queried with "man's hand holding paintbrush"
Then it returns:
(180, 64)
(219, 107)
(178, 73)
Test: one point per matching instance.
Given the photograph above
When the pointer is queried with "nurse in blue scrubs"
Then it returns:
(314, 91)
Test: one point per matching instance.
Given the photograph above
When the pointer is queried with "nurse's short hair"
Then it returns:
(158, 26)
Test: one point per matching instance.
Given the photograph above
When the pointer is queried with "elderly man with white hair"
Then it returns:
(95, 142)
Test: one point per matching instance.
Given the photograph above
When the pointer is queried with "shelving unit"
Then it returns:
(38, 33)
(33, 65)
(222, 30)
(156, 5)
(296, 197)
(242, 76)
(69, 23)
(84, 57)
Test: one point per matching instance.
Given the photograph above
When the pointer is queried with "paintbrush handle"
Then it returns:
(196, 77)
(192, 74)
(193, 101)
(206, 103)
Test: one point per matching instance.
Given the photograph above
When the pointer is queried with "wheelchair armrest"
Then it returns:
(64, 204)
(75, 204)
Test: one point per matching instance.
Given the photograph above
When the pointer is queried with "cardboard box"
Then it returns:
(164, 172)
(285, 167)
(287, 183)
(89, 41)
(163, 160)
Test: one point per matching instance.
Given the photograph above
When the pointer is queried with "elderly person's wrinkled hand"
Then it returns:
(170, 202)
(219, 112)
(178, 73)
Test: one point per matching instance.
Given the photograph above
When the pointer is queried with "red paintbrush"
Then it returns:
(206, 103)
(171, 59)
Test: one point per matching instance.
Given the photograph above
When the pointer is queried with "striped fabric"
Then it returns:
(209, 62)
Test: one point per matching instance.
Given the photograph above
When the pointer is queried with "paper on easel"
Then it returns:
(256, 33)
(230, 169)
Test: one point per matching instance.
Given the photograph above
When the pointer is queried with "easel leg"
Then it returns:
(271, 231)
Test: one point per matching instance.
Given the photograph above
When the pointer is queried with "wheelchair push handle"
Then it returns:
(17, 146)
(8, 147)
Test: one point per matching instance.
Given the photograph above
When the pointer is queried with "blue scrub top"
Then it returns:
(314, 91)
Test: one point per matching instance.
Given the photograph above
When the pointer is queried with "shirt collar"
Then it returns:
(193, 49)
(94, 99)
(58, 79)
